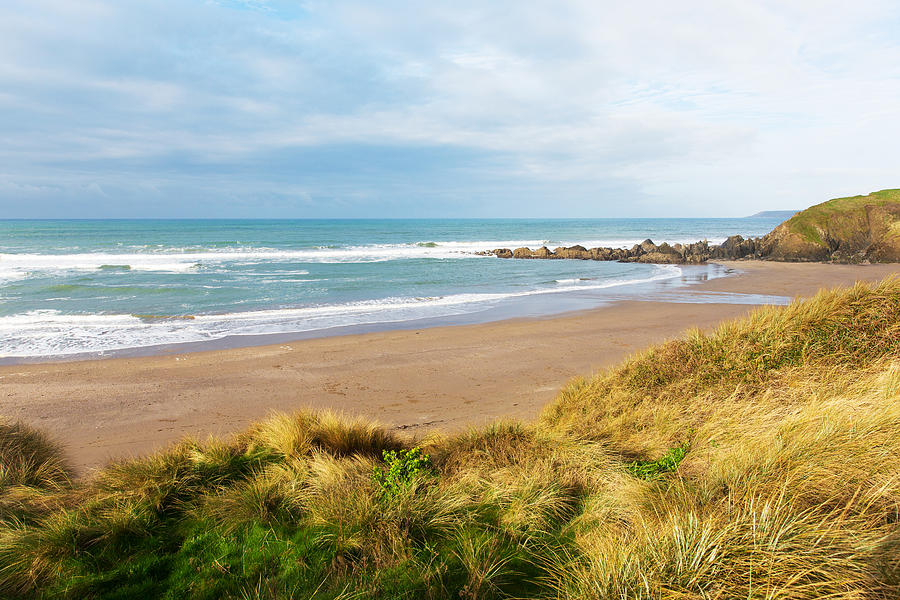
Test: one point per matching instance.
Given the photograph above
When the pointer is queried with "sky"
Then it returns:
(276, 108)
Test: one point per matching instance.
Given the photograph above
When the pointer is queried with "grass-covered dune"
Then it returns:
(761, 460)
(844, 229)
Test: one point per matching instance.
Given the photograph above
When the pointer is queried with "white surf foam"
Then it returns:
(51, 333)
(18, 266)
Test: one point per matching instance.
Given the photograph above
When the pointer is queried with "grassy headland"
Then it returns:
(846, 229)
(761, 460)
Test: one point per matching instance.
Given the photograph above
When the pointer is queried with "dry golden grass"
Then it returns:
(301, 433)
(792, 485)
(795, 494)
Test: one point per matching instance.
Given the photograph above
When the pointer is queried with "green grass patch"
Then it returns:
(667, 463)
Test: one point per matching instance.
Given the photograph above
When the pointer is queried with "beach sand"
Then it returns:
(446, 378)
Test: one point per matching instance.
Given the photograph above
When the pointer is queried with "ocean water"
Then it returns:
(84, 287)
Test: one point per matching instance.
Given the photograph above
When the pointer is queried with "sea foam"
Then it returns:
(51, 333)
(189, 260)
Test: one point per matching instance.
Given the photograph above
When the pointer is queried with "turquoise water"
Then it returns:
(74, 287)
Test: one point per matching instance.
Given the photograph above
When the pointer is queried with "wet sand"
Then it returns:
(414, 380)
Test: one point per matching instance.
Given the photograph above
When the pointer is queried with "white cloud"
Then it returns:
(769, 104)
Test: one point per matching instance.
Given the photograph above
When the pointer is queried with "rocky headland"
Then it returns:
(859, 229)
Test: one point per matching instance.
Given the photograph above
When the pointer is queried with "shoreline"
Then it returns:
(535, 303)
(446, 378)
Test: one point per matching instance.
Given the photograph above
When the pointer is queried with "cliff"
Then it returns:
(855, 229)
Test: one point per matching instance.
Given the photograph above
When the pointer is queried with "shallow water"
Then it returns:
(76, 288)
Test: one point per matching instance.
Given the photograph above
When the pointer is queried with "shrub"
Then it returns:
(403, 469)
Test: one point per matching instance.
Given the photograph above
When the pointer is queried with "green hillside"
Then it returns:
(845, 229)
(761, 460)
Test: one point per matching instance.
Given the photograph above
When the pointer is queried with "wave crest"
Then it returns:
(52, 333)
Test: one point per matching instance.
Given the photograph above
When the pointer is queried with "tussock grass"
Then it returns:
(32, 471)
(785, 484)
(299, 434)
(30, 458)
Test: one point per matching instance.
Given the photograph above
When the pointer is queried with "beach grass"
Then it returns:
(759, 460)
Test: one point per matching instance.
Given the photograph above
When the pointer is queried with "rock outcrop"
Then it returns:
(645, 252)
(736, 248)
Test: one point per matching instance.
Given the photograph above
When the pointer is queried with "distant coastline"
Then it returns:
(774, 214)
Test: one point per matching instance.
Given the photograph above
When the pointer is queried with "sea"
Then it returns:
(94, 288)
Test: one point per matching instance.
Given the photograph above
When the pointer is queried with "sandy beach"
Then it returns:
(414, 380)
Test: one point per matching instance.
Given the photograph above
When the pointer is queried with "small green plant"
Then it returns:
(403, 469)
(651, 469)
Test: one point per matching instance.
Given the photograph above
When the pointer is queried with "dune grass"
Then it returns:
(761, 460)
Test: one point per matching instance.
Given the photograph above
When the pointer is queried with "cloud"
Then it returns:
(462, 109)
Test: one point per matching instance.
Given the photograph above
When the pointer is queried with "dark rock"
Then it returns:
(661, 258)
(665, 248)
(576, 252)
(737, 248)
(601, 254)
(733, 248)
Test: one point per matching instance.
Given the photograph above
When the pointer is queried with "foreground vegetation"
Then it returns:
(759, 461)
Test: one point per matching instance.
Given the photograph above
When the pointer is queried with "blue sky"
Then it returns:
(273, 108)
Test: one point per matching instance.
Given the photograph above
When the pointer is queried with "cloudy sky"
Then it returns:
(277, 108)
